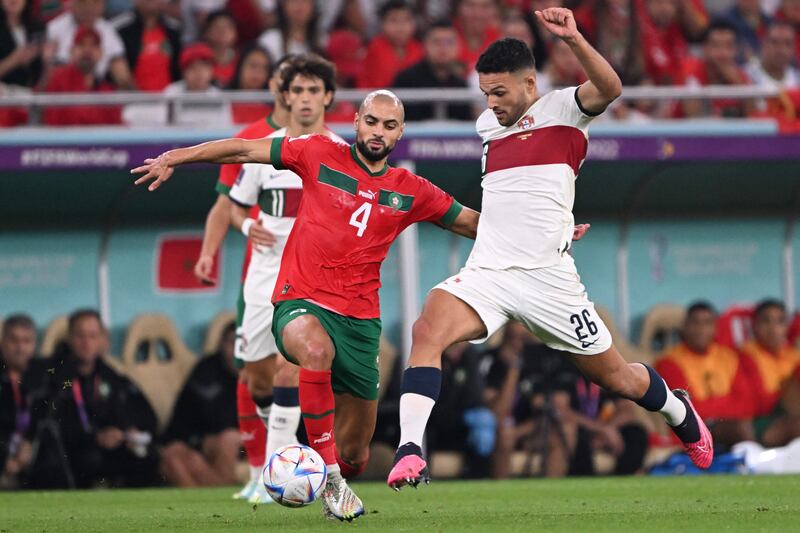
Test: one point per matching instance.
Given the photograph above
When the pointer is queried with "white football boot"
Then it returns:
(339, 502)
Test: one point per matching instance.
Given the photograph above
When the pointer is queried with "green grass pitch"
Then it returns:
(704, 503)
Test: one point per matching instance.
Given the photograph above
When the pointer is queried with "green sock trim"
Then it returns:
(317, 417)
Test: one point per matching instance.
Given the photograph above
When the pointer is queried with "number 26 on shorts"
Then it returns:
(361, 223)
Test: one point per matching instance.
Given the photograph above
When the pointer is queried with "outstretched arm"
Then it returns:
(604, 86)
(161, 168)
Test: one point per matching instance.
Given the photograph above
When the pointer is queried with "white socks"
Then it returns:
(255, 474)
(415, 409)
(282, 427)
(674, 410)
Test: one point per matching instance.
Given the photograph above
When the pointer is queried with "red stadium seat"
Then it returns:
(734, 325)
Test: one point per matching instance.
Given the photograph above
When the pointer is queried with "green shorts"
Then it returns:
(356, 344)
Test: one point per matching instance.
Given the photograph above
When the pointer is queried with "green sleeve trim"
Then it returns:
(451, 214)
(221, 188)
(275, 153)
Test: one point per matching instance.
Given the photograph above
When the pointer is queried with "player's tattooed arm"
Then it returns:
(160, 169)
(604, 85)
(466, 223)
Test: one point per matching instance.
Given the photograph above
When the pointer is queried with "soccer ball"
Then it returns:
(294, 475)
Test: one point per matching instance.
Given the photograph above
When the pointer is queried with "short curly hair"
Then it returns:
(505, 55)
(310, 66)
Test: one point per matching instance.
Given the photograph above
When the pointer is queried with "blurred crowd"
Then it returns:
(74, 419)
(207, 46)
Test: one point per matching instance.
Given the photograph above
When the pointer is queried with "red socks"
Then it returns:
(317, 406)
(252, 430)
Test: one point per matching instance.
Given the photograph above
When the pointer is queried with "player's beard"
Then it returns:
(373, 155)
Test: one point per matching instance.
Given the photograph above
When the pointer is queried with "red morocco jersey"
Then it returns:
(347, 220)
(230, 171)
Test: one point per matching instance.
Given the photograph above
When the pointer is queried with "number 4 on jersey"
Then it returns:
(363, 211)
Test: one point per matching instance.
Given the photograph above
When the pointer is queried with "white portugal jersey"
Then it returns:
(529, 172)
(278, 194)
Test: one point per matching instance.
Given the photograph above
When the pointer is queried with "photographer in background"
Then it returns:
(95, 426)
(17, 348)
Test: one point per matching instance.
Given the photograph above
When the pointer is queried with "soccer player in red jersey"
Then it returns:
(253, 419)
(326, 297)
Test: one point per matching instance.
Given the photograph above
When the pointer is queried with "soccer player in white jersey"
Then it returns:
(308, 87)
(278, 194)
(519, 266)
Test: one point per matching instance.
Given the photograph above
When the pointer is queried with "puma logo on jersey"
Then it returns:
(369, 195)
(325, 437)
(298, 311)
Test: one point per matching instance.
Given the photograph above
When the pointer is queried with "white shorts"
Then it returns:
(254, 339)
(551, 302)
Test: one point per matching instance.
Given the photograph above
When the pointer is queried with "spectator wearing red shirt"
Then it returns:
(152, 44)
(252, 74)
(772, 365)
(790, 12)
(717, 67)
(713, 375)
(346, 51)
(394, 49)
(476, 23)
(612, 27)
(78, 76)
(665, 26)
(219, 33)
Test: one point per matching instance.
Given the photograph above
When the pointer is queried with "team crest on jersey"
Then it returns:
(525, 123)
(395, 201)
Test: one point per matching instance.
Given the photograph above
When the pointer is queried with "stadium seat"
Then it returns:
(446, 465)
(631, 353)
(734, 325)
(155, 357)
(794, 330)
(54, 334)
(661, 328)
(215, 329)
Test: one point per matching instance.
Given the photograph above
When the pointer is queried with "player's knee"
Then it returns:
(259, 384)
(422, 331)
(316, 355)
